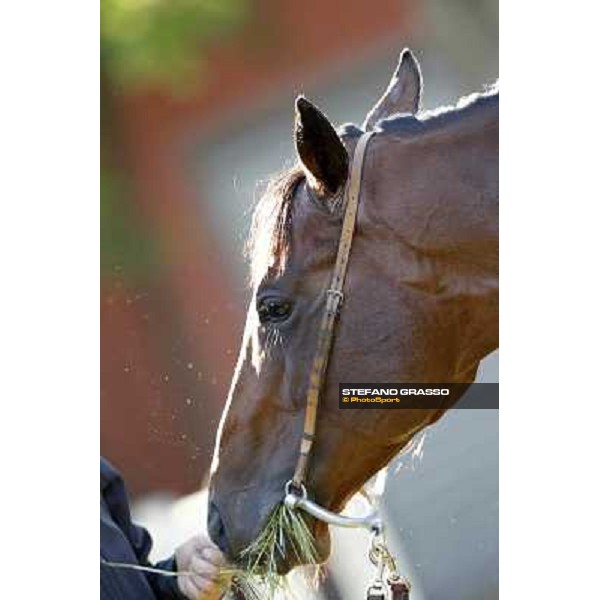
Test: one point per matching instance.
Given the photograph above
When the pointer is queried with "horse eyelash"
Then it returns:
(273, 338)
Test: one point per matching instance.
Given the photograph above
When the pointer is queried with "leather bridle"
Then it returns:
(296, 495)
(333, 304)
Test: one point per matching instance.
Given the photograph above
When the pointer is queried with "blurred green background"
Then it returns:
(160, 42)
(149, 44)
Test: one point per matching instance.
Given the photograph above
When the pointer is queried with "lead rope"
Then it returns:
(334, 299)
(134, 567)
(234, 591)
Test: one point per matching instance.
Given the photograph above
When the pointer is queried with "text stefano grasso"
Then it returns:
(411, 391)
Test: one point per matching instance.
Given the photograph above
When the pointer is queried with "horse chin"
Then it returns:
(322, 541)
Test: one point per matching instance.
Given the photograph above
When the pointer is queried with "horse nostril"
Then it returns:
(216, 529)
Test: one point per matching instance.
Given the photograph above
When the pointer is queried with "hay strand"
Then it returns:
(284, 535)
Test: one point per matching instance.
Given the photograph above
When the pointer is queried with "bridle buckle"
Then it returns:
(338, 298)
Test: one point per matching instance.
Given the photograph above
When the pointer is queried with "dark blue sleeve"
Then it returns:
(115, 495)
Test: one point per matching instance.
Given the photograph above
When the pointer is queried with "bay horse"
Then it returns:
(421, 299)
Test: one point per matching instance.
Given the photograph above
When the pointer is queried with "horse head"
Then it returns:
(420, 304)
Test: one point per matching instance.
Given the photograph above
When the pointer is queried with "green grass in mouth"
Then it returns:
(284, 535)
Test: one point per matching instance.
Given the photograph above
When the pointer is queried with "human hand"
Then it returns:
(203, 560)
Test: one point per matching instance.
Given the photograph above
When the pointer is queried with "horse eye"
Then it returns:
(273, 310)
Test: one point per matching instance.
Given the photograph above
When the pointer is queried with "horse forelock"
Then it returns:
(268, 244)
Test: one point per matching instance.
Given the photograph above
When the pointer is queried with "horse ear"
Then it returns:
(403, 94)
(320, 149)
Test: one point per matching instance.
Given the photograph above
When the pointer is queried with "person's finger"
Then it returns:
(203, 583)
(188, 588)
(204, 568)
(213, 556)
(203, 541)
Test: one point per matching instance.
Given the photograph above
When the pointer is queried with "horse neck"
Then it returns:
(436, 197)
(433, 184)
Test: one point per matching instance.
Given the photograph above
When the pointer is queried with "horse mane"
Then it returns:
(477, 103)
(474, 100)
